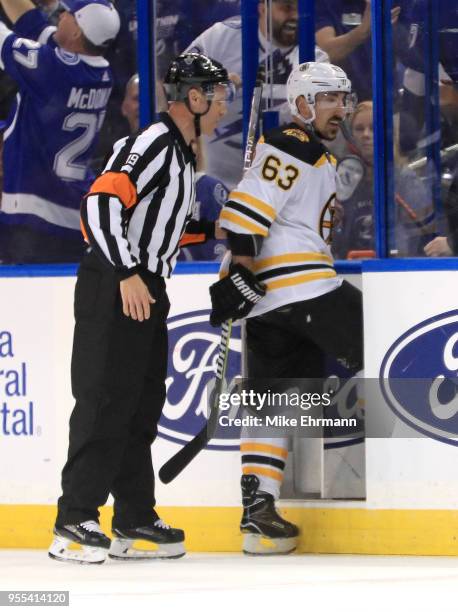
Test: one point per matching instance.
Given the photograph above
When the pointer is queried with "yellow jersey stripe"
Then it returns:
(260, 471)
(246, 447)
(291, 258)
(325, 159)
(298, 280)
(321, 162)
(251, 226)
(267, 209)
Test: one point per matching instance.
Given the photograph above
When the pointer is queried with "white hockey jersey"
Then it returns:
(223, 42)
(287, 196)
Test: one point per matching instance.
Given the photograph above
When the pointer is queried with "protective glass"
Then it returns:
(330, 100)
(220, 92)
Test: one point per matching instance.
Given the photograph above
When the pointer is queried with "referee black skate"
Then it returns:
(133, 219)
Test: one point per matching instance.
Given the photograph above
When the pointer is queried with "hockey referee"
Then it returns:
(133, 219)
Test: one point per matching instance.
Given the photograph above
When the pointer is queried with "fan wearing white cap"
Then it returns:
(64, 84)
(98, 20)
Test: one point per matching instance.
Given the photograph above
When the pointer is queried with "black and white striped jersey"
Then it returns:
(137, 209)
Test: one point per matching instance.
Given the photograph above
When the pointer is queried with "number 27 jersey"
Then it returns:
(287, 197)
(53, 128)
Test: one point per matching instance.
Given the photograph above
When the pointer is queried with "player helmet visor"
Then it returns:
(311, 80)
(331, 100)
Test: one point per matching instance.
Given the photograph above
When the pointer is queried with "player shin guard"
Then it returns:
(265, 458)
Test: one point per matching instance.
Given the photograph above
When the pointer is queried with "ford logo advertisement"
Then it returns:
(191, 369)
(427, 354)
(191, 373)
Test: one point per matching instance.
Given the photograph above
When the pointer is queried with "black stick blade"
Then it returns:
(176, 464)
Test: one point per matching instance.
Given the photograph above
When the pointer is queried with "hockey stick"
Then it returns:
(186, 454)
(176, 464)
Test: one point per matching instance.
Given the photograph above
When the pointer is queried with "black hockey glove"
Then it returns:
(234, 296)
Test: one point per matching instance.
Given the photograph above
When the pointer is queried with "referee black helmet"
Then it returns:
(190, 70)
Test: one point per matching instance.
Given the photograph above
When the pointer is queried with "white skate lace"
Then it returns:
(91, 526)
(161, 525)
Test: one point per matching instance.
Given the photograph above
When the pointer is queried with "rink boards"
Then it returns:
(409, 480)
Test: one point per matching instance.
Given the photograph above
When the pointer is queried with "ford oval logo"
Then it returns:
(427, 353)
(191, 368)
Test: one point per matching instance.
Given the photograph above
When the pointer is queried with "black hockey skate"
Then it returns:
(94, 543)
(265, 531)
(167, 540)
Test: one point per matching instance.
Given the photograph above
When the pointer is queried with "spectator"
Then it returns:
(414, 137)
(343, 30)
(51, 8)
(413, 102)
(414, 212)
(223, 42)
(114, 128)
(64, 85)
(122, 55)
(211, 195)
(180, 21)
(439, 247)
(130, 108)
(446, 246)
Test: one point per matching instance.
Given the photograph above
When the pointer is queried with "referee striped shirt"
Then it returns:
(137, 209)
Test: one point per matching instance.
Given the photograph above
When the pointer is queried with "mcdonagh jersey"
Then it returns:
(287, 197)
(51, 133)
(136, 212)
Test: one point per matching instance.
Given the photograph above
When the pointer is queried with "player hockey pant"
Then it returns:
(118, 381)
(293, 342)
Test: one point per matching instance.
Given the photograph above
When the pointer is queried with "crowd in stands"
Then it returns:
(43, 226)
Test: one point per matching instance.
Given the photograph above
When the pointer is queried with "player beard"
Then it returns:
(330, 130)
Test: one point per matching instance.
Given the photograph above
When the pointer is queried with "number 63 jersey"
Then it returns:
(53, 127)
(287, 198)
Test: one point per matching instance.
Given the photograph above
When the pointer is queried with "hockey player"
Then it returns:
(279, 222)
(133, 218)
(223, 41)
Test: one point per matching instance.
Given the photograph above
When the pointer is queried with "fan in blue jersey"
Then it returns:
(64, 85)
(211, 195)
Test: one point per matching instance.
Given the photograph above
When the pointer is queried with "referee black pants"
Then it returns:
(294, 341)
(118, 380)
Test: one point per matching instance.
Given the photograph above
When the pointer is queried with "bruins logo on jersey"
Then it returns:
(302, 136)
(326, 219)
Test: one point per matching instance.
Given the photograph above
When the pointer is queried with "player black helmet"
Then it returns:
(194, 69)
